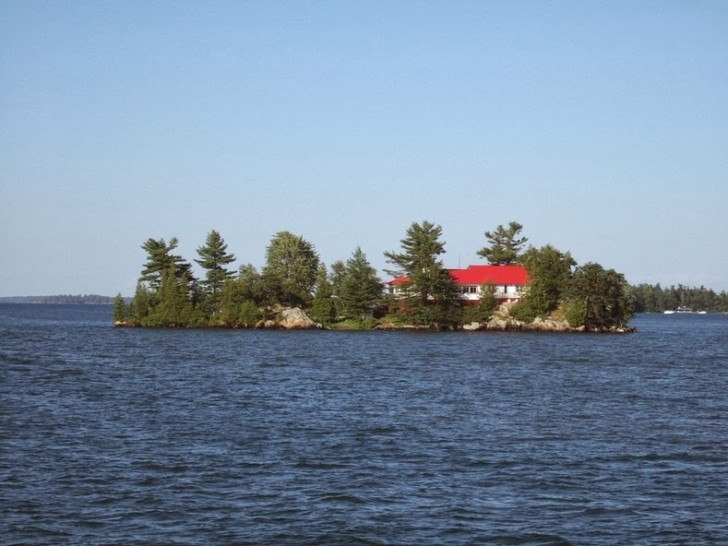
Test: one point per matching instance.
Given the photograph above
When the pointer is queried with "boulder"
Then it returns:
(295, 319)
(472, 327)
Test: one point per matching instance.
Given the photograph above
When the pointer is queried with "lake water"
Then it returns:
(134, 436)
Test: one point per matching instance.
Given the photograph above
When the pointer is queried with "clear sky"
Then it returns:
(602, 127)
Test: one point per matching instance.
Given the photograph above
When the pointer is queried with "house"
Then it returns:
(508, 282)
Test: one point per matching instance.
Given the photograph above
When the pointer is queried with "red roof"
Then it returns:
(490, 274)
(483, 274)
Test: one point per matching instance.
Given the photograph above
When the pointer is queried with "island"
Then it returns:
(519, 288)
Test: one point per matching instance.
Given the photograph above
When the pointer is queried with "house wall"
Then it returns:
(502, 292)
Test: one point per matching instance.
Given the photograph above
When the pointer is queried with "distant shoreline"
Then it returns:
(87, 299)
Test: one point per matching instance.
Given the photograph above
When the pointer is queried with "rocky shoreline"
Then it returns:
(294, 318)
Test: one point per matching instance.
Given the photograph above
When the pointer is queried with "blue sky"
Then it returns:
(602, 127)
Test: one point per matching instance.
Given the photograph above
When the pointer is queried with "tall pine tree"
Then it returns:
(505, 245)
(430, 292)
(361, 288)
(214, 257)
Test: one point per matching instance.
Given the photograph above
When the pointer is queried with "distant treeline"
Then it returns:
(91, 299)
(648, 298)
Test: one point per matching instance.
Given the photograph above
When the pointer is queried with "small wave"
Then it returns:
(342, 498)
(319, 465)
(527, 539)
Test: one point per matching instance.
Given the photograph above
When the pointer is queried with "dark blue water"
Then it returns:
(122, 436)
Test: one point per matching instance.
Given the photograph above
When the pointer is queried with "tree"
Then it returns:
(338, 271)
(505, 246)
(237, 310)
(323, 308)
(119, 309)
(289, 275)
(483, 310)
(361, 288)
(239, 298)
(159, 259)
(598, 298)
(214, 257)
(173, 306)
(549, 271)
(431, 293)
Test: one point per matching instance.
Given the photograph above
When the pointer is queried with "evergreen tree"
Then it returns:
(323, 308)
(119, 309)
(238, 307)
(598, 298)
(159, 259)
(173, 308)
(338, 272)
(140, 305)
(505, 246)
(289, 275)
(250, 283)
(361, 288)
(430, 292)
(214, 257)
(549, 271)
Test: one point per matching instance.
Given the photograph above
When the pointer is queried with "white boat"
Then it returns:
(683, 310)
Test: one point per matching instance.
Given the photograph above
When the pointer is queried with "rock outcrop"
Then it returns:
(289, 318)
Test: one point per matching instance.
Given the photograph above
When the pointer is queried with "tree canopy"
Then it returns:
(360, 288)
(549, 271)
(598, 298)
(505, 245)
(159, 259)
(431, 291)
(290, 269)
(213, 257)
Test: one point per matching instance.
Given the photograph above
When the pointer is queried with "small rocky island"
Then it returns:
(518, 289)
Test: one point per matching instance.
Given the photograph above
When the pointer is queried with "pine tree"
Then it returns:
(173, 308)
(431, 295)
(214, 257)
(361, 288)
(505, 246)
(159, 259)
(323, 307)
(119, 310)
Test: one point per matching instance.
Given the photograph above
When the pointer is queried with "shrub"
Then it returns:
(576, 314)
(523, 311)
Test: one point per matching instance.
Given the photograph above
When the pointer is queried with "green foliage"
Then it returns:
(289, 275)
(656, 299)
(576, 314)
(140, 305)
(430, 295)
(213, 257)
(338, 271)
(119, 309)
(238, 308)
(173, 307)
(523, 311)
(246, 315)
(488, 302)
(505, 245)
(603, 295)
(360, 288)
(160, 259)
(323, 308)
(549, 271)
(483, 310)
